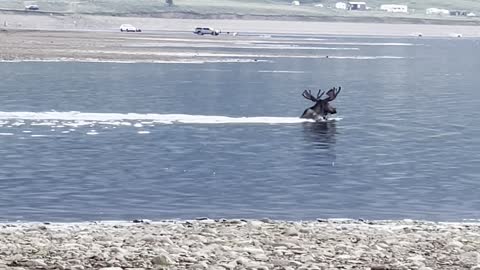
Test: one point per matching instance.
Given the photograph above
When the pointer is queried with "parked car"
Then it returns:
(32, 7)
(129, 28)
(206, 31)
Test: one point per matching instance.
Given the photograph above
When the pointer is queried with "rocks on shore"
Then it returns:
(241, 244)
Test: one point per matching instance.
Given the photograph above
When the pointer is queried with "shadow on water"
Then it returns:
(320, 147)
(320, 134)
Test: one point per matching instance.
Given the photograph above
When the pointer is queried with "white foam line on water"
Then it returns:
(369, 43)
(82, 119)
(340, 43)
(179, 39)
(252, 46)
(282, 71)
(367, 57)
(238, 58)
(98, 60)
(230, 55)
(276, 40)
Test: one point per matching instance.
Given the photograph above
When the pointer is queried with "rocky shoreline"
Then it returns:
(241, 244)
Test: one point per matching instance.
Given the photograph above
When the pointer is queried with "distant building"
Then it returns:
(295, 3)
(395, 8)
(437, 11)
(341, 5)
(357, 6)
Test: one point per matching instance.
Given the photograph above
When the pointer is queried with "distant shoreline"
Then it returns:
(80, 22)
(275, 17)
(98, 39)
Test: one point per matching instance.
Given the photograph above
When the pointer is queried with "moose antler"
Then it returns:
(308, 95)
(319, 95)
(332, 93)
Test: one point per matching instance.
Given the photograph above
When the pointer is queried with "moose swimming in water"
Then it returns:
(322, 107)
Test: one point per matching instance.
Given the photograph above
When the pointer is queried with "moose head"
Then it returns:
(322, 107)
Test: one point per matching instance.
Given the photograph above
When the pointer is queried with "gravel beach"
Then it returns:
(241, 244)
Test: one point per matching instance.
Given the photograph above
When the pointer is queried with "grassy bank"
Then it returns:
(256, 9)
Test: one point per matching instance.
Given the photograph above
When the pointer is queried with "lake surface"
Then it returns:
(106, 141)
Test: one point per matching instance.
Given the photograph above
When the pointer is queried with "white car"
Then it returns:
(129, 28)
(206, 31)
(32, 7)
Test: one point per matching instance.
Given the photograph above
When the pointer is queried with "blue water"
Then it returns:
(406, 144)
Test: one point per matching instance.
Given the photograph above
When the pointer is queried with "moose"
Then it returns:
(322, 107)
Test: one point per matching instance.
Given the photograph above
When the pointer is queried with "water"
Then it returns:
(103, 141)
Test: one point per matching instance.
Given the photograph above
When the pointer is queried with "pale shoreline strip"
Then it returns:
(241, 244)
(98, 22)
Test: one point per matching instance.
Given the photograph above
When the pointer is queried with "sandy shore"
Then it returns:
(241, 244)
(172, 47)
(44, 45)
